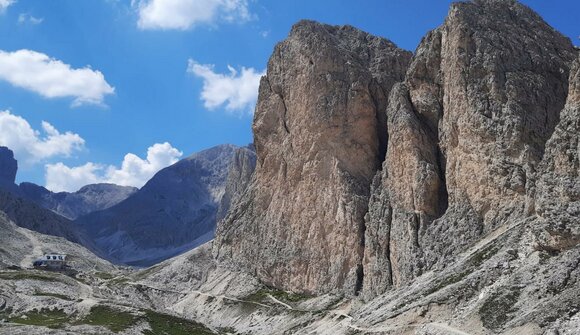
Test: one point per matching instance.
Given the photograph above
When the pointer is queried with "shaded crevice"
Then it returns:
(284, 122)
(443, 196)
(359, 279)
(388, 249)
(360, 267)
(381, 117)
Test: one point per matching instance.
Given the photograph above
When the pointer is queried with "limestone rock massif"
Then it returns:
(467, 130)
(374, 168)
(320, 135)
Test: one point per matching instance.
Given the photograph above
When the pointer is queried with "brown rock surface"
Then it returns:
(319, 132)
(467, 131)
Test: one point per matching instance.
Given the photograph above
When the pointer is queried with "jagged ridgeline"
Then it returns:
(376, 165)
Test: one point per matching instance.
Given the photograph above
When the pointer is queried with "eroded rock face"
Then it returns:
(558, 189)
(239, 177)
(320, 136)
(467, 131)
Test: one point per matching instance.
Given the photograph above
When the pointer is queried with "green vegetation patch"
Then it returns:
(160, 324)
(55, 318)
(262, 295)
(483, 255)
(497, 309)
(54, 295)
(163, 324)
(449, 280)
(22, 275)
(118, 280)
(111, 318)
(104, 275)
(146, 272)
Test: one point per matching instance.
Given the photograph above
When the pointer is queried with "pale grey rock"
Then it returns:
(239, 176)
(20, 247)
(319, 132)
(558, 190)
(467, 131)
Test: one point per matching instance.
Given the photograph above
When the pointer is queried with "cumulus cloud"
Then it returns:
(134, 171)
(32, 146)
(238, 91)
(185, 14)
(29, 19)
(4, 4)
(52, 78)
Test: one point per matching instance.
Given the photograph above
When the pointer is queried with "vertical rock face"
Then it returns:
(558, 189)
(8, 166)
(467, 130)
(320, 136)
(239, 176)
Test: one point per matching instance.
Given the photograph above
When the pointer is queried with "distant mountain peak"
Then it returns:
(8, 166)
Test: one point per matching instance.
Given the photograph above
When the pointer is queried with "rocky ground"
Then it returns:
(501, 285)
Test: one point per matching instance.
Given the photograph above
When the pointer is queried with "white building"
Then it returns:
(51, 261)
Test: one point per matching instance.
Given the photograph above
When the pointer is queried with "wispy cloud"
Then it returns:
(29, 19)
(237, 90)
(134, 171)
(52, 78)
(185, 14)
(5, 4)
(32, 146)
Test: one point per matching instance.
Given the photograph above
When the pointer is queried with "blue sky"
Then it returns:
(117, 80)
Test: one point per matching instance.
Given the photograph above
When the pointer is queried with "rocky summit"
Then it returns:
(467, 131)
(319, 131)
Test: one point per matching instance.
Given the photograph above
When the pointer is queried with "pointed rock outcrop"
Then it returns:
(467, 131)
(320, 136)
(8, 167)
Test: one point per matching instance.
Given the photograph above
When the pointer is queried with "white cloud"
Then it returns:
(32, 146)
(60, 177)
(4, 4)
(27, 18)
(52, 78)
(134, 171)
(238, 91)
(185, 14)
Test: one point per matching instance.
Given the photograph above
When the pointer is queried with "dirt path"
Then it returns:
(36, 252)
(446, 329)
(279, 302)
(203, 294)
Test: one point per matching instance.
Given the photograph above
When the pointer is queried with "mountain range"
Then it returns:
(390, 192)
(175, 211)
